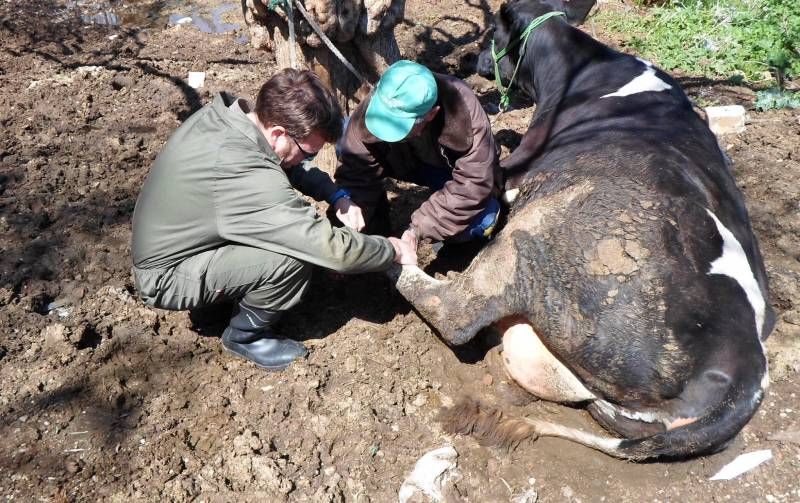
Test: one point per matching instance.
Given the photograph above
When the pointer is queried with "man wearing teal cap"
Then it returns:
(429, 129)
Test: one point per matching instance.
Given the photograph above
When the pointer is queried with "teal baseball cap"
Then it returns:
(405, 92)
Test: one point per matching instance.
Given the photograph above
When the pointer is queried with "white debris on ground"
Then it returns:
(529, 495)
(726, 119)
(431, 472)
(786, 436)
(742, 464)
(196, 79)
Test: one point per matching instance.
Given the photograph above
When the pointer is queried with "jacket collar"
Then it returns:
(451, 126)
(236, 116)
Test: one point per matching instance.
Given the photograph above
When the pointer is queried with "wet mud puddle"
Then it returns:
(153, 14)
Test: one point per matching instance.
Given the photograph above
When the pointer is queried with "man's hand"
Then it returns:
(349, 213)
(404, 252)
(410, 237)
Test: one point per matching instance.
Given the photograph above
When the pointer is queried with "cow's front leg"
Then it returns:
(450, 307)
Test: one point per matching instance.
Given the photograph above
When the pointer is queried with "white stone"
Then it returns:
(196, 79)
(726, 120)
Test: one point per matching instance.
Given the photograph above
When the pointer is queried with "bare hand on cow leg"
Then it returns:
(405, 253)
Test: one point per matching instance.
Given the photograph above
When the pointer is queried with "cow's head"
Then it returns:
(512, 19)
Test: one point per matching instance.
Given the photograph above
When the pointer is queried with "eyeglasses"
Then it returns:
(307, 156)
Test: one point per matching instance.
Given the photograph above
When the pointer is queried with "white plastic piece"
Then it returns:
(742, 464)
(430, 474)
(727, 119)
(510, 196)
(184, 20)
(197, 79)
(529, 496)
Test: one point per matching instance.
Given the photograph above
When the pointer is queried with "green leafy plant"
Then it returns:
(756, 40)
(771, 99)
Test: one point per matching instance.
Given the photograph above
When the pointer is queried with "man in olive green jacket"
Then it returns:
(219, 218)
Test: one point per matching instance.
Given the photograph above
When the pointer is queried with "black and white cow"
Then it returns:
(627, 278)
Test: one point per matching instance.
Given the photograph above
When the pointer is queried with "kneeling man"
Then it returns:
(219, 218)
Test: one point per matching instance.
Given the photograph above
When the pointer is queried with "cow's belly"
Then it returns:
(534, 367)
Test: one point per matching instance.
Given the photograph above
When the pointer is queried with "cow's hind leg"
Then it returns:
(528, 361)
(491, 426)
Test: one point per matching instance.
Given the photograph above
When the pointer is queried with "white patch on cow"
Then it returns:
(413, 271)
(758, 395)
(646, 63)
(606, 444)
(608, 409)
(612, 410)
(733, 263)
(510, 196)
(645, 82)
(612, 444)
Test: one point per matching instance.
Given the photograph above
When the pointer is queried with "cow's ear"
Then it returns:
(577, 10)
(504, 14)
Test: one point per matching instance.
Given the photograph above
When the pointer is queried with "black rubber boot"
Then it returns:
(250, 336)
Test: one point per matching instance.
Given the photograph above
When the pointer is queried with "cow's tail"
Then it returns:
(707, 434)
(710, 433)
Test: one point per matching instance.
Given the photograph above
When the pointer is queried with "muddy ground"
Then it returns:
(104, 399)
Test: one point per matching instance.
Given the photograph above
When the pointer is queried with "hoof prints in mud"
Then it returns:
(89, 338)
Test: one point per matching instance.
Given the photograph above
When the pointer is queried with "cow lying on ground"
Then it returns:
(627, 278)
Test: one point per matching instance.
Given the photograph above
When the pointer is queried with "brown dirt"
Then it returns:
(104, 399)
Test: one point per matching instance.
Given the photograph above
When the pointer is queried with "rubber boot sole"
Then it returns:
(264, 367)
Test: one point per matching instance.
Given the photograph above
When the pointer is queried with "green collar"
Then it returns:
(497, 56)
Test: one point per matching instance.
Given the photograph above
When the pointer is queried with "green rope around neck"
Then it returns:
(505, 99)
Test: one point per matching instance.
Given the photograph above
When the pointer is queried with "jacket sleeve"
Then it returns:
(311, 181)
(450, 210)
(358, 171)
(257, 206)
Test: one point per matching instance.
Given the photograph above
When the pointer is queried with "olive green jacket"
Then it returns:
(217, 182)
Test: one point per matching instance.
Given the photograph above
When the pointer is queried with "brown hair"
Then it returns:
(298, 101)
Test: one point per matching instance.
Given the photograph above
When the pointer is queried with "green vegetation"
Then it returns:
(773, 98)
(753, 40)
